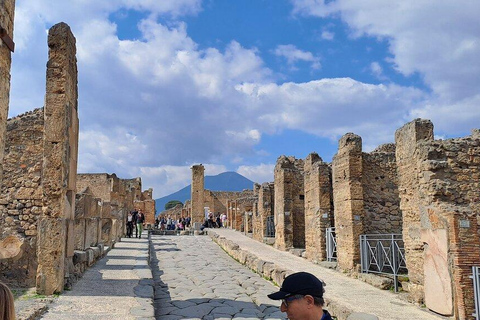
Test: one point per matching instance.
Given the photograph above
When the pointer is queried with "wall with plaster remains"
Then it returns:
(440, 198)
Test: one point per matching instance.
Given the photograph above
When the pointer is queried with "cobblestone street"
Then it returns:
(196, 279)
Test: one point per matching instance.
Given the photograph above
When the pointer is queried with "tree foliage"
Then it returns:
(172, 203)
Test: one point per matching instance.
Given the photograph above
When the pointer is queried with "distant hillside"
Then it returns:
(227, 181)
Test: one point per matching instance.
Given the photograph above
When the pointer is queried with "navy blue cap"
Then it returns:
(299, 283)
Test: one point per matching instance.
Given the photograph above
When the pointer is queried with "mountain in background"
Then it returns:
(227, 181)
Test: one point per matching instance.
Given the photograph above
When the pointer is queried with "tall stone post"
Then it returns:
(7, 9)
(289, 203)
(198, 193)
(318, 207)
(348, 200)
(56, 226)
(406, 139)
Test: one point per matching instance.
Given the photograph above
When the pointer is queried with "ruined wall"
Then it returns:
(56, 226)
(98, 183)
(197, 195)
(264, 210)
(318, 207)
(88, 220)
(7, 10)
(380, 191)
(21, 198)
(148, 206)
(348, 200)
(440, 197)
(406, 139)
(289, 203)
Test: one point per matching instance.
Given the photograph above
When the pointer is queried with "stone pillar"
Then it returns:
(289, 204)
(318, 207)
(348, 200)
(56, 225)
(406, 139)
(7, 10)
(406, 154)
(198, 194)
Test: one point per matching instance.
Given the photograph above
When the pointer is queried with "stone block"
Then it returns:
(51, 255)
(79, 257)
(90, 256)
(376, 280)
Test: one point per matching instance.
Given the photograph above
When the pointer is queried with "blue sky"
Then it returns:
(235, 84)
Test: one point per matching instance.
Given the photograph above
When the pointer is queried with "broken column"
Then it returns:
(56, 227)
(318, 207)
(7, 10)
(348, 200)
(289, 203)
(406, 139)
(197, 194)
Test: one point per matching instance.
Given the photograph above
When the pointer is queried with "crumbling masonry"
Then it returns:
(54, 224)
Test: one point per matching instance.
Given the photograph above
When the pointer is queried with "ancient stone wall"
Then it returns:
(289, 203)
(197, 195)
(348, 200)
(318, 206)
(440, 198)
(21, 198)
(56, 225)
(147, 204)
(88, 220)
(7, 9)
(380, 192)
(406, 139)
(263, 210)
(100, 184)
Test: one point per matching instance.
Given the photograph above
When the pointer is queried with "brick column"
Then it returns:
(56, 225)
(348, 200)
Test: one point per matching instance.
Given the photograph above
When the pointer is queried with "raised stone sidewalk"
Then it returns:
(346, 298)
(120, 286)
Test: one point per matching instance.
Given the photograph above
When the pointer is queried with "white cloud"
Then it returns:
(151, 107)
(293, 55)
(327, 35)
(377, 70)
(440, 39)
(260, 173)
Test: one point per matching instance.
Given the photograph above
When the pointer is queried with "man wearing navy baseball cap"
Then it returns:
(302, 297)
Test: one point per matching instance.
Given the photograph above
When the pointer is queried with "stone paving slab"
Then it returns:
(195, 279)
(119, 286)
(344, 295)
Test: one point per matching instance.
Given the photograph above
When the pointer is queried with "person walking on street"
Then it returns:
(130, 224)
(140, 222)
(301, 294)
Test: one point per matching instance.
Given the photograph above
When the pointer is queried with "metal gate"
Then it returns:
(331, 244)
(476, 287)
(383, 253)
(270, 230)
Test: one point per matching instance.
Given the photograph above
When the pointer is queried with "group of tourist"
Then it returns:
(169, 223)
(135, 220)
